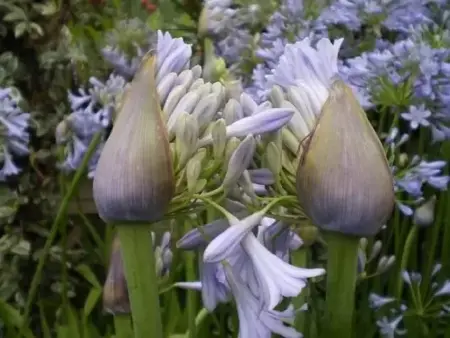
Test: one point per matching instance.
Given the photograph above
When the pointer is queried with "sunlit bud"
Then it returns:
(231, 146)
(363, 243)
(246, 184)
(403, 160)
(62, 132)
(385, 264)
(219, 136)
(376, 249)
(344, 183)
(239, 161)
(273, 159)
(134, 178)
(309, 234)
(232, 112)
(193, 171)
(277, 96)
(115, 290)
(186, 138)
(424, 215)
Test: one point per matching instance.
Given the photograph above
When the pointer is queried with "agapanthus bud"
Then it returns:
(343, 179)
(115, 290)
(424, 215)
(134, 178)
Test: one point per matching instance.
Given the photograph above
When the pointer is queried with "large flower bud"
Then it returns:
(344, 182)
(134, 178)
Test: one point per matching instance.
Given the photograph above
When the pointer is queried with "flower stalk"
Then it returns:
(341, 285)
(141, 278)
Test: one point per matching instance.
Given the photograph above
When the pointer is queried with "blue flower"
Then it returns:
(417, 116)
(288, 24)
(14, 131)
(396, 15)
(91, 113)
(126, 44)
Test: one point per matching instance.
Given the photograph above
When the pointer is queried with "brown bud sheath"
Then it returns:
(115, 291)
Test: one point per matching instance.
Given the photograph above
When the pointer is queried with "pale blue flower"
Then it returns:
(377, 301)
(397, 15)
(230, 28)
(14, 131)
(288, 24)
(389, 328)
(417, 116)
(92, 111)
(126, 44)
(255, 322)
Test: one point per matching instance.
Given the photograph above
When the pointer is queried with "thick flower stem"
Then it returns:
(300, 258)
(341, 285)
(123, 325)
(139, 264)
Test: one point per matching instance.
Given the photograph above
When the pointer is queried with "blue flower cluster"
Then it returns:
(409, 74)
(14, 133)
(92, 112)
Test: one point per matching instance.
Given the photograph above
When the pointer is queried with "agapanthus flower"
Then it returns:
(231, 29)
(389, 327)
(126, 44)
(395, 65)
(271, 272)
(288, 24)
(392, 14)
(237, 277)
(14, 132)
(412, 177)
(92, 112)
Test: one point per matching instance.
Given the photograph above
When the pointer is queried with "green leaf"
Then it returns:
(46, 9)
(12, 318)
(20, 29)
(88, 275)
(91, 301)
(6, 212)
(36, 28)
(15, 16)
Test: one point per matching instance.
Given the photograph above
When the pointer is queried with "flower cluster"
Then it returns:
(92, 112)
(126, 44)
(14, 131)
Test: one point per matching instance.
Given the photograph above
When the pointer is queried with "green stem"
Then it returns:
(124, 326)
(59, 218)
(341, 285)
(140, 273)
(405, 258)
(300, 258)
(191, 294)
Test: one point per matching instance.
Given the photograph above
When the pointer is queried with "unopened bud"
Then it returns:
(134, 178)
(344, 183)
(424, 215)
(115, 290)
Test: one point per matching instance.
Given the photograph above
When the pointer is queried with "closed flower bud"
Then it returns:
(343, 179)
(115, 290)
(134, 178)
(424, 215)
(309, 234)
